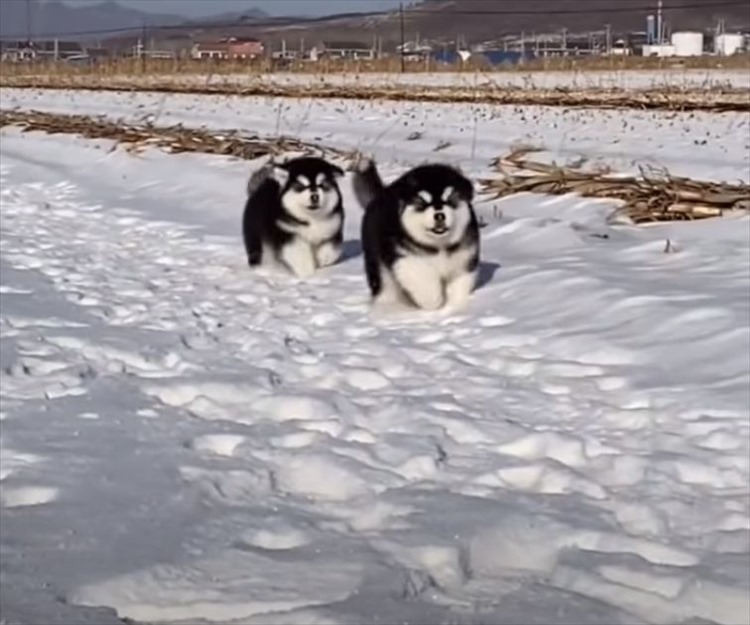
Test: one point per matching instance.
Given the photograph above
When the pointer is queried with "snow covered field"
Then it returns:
(182, 439)
(588, 79)
(673, 78)
(702, 145)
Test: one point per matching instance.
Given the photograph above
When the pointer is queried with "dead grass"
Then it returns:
(257, 79)
(716, 99)
(652, 196)
(174, 139)
(136, 67)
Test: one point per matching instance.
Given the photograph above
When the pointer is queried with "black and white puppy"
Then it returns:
(420, 236)
(294, 215)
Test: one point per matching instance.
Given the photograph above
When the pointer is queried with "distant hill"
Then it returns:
(50, 17)
(473, 20)
(248, 15)
(480, 20)
(437, 17)
(54, 17)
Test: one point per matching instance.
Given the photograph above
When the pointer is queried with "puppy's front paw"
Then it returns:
(328, 254)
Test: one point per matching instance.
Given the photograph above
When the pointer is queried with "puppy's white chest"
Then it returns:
(319, 230)
(447, 265)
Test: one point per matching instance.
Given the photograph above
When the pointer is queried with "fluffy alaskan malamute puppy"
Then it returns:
(420, 236)
(294, 215)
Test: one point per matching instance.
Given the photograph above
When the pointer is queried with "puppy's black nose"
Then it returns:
(440, 218)
(315, 197)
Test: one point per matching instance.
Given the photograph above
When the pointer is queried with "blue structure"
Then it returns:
(494, 57)
(446, 56)
(505, 57)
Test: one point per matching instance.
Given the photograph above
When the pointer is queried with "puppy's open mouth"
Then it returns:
(439, 230)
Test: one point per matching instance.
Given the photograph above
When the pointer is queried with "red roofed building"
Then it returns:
(229, 48)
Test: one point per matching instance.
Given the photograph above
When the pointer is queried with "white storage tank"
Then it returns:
(728, 44)
(660, 50)
(687, 43)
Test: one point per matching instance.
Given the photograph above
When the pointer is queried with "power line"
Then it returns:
(28, 20)
(403, 36)
(418, 12)
(620, 9)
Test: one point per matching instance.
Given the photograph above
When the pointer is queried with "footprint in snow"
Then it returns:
(16, 497)
(218, 444)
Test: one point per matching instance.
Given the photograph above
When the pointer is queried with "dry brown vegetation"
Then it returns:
(174, 139)
(650, 197)
(716, 99)
(134, 67)
(235, 78)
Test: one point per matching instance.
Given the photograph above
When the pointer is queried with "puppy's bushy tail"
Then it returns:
(258, 177)
(367, 183)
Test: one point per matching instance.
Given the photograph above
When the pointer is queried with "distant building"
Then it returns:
(414, 51)
(41, 50)
(246, 48)
(16, 51)
(621, 48)
(204, 50)
(343, 50)
(289, 55)
(660, 50)
(229, 48)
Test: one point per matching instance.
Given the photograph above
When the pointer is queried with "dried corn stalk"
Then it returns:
(175, 139)
(648, 197)
(663, 98)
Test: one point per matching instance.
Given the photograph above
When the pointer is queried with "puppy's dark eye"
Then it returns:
(452, 200)
(325, 186)
(298, 187)
(419, 204)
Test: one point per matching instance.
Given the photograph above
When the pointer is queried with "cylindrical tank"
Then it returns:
(728, 43)
(687, 43)
(650, 29)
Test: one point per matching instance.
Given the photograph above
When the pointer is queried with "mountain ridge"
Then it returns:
(56, 18)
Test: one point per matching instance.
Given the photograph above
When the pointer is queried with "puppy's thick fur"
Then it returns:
(420, 236)
(294, 215)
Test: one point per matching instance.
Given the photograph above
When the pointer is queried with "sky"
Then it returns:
(197, 8)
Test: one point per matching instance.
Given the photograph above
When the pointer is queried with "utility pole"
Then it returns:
(28, 21)
(144, 32)
(403, 39)
(659, 24)
(608, 43)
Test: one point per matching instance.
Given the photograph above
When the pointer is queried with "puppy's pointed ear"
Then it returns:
(336, 171)
(411, 182)
(280, 174)
(466, 189)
